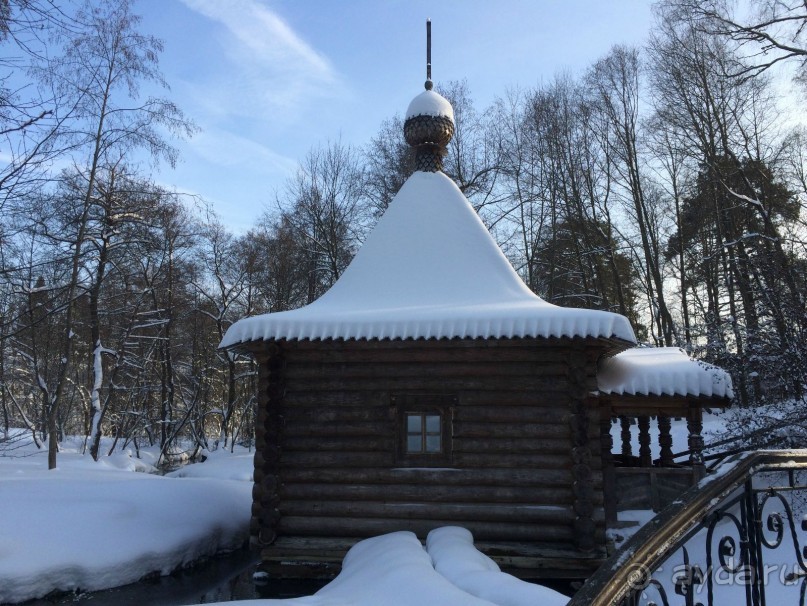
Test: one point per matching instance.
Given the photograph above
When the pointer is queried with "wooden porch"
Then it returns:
(637, 480)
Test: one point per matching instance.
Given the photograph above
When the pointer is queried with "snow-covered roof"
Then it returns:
(429, 103)
(429, 270)
(662, 371)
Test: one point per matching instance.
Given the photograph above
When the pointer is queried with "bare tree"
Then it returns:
(326, 210)
(98, 75)
(771, 32)
(471, 161)
(722, 124)
(220, 287)
(614, 83)
(34, 117)
(390, 162)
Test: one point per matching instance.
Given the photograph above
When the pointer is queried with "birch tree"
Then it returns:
(100, 74)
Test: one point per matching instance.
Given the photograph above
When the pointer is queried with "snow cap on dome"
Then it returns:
(430, 103)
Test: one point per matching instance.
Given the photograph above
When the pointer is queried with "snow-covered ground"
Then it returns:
(91, 526)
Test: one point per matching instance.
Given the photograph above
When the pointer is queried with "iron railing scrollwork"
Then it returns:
(739, 537)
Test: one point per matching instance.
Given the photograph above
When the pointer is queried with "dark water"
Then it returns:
(221, 579)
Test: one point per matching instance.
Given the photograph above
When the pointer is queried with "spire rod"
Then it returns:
(429, 54)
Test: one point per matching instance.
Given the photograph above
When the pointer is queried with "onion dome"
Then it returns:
(429, 123)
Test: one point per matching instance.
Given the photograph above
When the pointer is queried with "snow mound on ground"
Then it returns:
(221, 464)
(454, 556)
(393, 570)
(389, 570)
(92, 529)
(662, 371)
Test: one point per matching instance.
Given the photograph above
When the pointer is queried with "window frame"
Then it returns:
(424, 405)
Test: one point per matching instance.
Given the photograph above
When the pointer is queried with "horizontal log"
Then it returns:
(332, 459)
(325, 413)
(381, 437)
(472, 429)
(489, 460)
(291, 347)
(335, 459)
(370, 527)
(428, 354)
(424, 382)
(533, 560)
(307, 545)
(294, 398)
(514, 446)
(445, 477)
(532, 495)
(506, 413)
(322, 411)
(491, 368)
(554, 396)
(485, 512)
(341, 443)
(339, 428)
(469, 421)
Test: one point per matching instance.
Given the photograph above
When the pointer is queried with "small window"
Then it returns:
(424, 434)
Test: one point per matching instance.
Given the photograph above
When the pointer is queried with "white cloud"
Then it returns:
(272, 67)
(226, 149)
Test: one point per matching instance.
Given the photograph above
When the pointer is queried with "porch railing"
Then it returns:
(739, 536)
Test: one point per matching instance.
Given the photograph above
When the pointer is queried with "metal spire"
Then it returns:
(429, 83)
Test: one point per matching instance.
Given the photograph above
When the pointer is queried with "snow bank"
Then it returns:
(454, 556)
(389, 570)
(94, 525)
(221, 464)
(429, 270)
(662, 371)
(395, 570)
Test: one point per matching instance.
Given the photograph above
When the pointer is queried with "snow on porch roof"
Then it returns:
(662, 371)
(429, 270)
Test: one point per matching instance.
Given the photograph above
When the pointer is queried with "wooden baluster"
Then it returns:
(609, 476)
(645, 458)
(627, 451)
(665, 440)
(695, 427)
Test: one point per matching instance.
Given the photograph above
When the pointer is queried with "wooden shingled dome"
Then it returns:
(429, 135)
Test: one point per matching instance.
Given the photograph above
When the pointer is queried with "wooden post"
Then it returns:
(609, 475)
(665, 440)
(266, 489)
(645, 458)
(627, 450)
(582, 487)
(695, 427)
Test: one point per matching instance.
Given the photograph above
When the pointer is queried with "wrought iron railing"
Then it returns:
(739, 537)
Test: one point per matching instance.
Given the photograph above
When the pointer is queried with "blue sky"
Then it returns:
(268, 79)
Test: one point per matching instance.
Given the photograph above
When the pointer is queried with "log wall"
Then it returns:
(525, 461)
